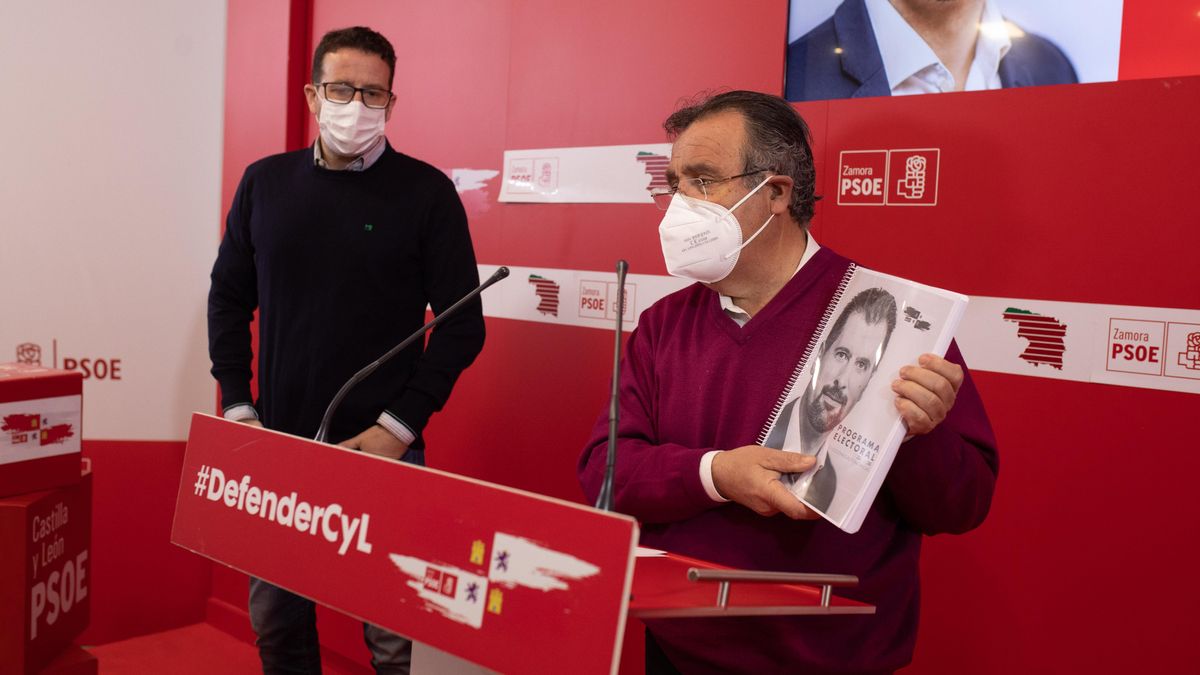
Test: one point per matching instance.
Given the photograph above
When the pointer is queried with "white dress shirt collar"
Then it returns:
(739, 315)
(360, 163)
(913, 68)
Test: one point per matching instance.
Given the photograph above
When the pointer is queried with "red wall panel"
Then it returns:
(1084, 565)
(521, 414)
(586, 74)
(1070, 193)
(1160, 39)
(256, 95)
(451, 80)
(451, 85)
(140, 582)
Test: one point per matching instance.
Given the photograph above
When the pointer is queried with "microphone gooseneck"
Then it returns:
(605, 498)
(323, 430)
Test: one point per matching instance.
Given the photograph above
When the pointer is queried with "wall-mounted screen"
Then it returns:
(857, 48)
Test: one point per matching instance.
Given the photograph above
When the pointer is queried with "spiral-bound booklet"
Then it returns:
(839, 404)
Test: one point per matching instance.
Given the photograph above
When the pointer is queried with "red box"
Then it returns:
(41, 422)
(45, 573)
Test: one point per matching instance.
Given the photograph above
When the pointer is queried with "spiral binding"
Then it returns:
(812, 344)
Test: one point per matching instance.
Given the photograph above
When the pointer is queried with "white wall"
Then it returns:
(110, 194)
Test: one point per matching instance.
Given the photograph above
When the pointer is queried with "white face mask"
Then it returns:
(350, 129)
(702, 240)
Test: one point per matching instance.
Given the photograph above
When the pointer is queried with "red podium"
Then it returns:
(509, 580)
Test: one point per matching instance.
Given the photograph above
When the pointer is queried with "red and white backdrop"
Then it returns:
(1064, 212)
(1065, 202)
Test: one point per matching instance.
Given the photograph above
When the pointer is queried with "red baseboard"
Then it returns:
(229, 619)
(73, 661)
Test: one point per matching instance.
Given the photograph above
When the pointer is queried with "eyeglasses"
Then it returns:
(340, 93)
(693, 187)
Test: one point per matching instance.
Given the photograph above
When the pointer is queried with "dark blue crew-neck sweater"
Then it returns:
(341, 266)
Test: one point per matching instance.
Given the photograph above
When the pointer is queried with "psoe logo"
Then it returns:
(519, 175)
(546, 176)
(1189, 358)
(913, 177)
(912, 185)
(598, 300)
(1136, 346)
(532, 175)
(861, 176)
(29, 354)
(906, 177)
(1182, 350)
(92, 367)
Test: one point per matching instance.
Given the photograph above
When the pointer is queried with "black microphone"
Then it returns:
(604, 500)
(323, 430)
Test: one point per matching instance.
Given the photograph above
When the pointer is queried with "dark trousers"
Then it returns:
(657, 662)
(286, 626)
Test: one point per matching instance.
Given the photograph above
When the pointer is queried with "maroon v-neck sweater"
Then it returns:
(693, 381)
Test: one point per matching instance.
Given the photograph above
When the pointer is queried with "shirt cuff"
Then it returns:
(241, 411)
(706, 476)
(397, 428)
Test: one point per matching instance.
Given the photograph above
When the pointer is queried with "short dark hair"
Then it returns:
(356, 37)
(776, 139)
(876, 306)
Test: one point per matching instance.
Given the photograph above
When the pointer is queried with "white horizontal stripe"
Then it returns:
(988, 334)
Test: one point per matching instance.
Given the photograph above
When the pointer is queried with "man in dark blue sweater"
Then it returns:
(341, 247)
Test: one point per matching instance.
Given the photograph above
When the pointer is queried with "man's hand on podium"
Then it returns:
(377, 441)
(252, 422)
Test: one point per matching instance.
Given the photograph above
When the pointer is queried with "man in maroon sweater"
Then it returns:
(701, 374)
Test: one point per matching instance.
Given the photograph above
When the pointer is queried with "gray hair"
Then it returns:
(777, 139)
